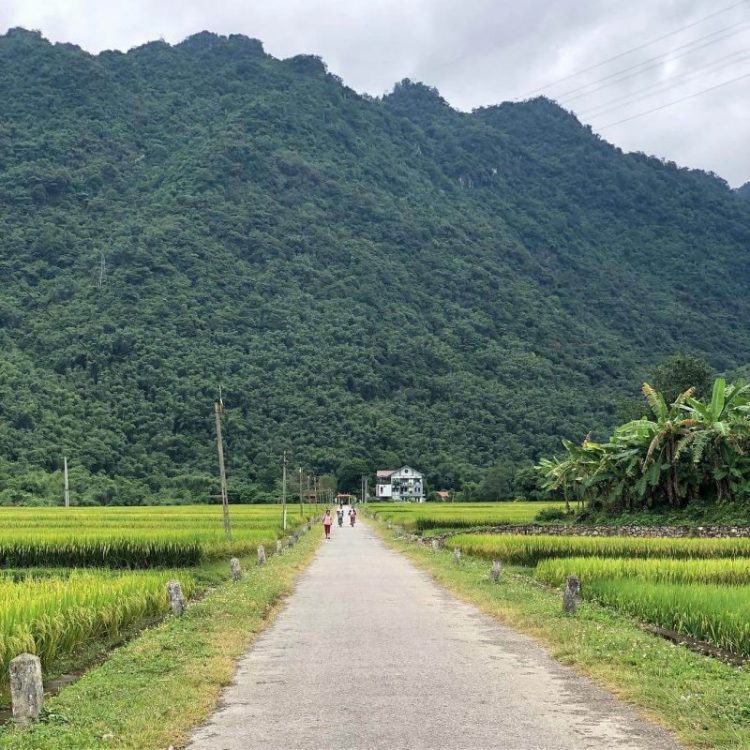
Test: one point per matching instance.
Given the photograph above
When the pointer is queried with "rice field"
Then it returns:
(727, 572)
(52, 616)
(716, 614)
(72, 576)
(141, 537)
(529, 550)
(699, 588)
(706, 599)
(428, 516)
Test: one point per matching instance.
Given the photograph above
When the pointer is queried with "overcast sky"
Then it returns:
(479, 52)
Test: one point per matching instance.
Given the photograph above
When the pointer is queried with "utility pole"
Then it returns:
(218, 412)
(367, 481)
(300, 493)
(283, 494)
(67, 485)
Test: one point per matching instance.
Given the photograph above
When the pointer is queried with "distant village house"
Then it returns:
(404, 484)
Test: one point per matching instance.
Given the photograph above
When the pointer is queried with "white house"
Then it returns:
(401, 484)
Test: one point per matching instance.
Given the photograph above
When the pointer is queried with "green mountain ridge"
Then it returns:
(744, 190)
(381, 278)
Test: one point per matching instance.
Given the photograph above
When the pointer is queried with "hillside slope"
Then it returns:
(385, 278)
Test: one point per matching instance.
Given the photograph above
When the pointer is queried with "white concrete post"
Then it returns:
(236, 568)
(571, 594)
(497, 569)
(176, 598)
(279, 547)
(457, 555)
(261, 555)
(26, 690)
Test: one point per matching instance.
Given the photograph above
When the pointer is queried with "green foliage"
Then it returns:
(528, 485)
(690, 449)
(682, 372)
(498, 482)
(671, 377)
(380, 278)
(552, 514)
(350, 473)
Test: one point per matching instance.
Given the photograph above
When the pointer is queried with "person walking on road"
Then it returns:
(352, 516)
(327, 521)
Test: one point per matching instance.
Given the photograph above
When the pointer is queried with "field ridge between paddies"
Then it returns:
(137, 537)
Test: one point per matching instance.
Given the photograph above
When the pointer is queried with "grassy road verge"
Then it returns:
(704, 702)
(151, 692)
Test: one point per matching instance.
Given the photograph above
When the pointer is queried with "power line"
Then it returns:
(655, 62)
(663, 86)
(676, 101)
(634, 49)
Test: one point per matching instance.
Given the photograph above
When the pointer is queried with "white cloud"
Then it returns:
(478, 52)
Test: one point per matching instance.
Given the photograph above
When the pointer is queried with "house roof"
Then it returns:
(387, 473)
(443, 493)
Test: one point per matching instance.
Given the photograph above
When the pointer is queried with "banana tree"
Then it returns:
(720, 437)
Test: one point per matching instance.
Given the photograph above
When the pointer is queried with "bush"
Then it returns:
(552, 514)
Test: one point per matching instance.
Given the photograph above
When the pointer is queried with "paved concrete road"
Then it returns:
(370, 653)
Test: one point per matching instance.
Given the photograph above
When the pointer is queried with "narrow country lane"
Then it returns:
(370, 653)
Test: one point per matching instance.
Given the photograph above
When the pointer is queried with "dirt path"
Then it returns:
(370, 653)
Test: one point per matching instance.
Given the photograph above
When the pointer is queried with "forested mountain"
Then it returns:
(744, 191)
(380, 278)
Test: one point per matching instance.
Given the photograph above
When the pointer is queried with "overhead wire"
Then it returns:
(633, 49)
(676, 101)
(664, 85)
(653, 62)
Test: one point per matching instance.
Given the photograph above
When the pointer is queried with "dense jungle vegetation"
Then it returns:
(686, 449)
(388, 280)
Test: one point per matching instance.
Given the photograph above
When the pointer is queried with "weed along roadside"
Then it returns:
(151, 692)
(703, 700)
